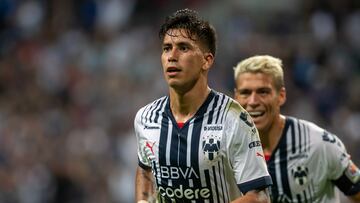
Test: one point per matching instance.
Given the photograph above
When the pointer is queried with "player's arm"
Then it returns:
(144, 185)
(254, 196)
(340, 163)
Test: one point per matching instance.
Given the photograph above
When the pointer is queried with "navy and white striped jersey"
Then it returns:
(214, 156)
(308, 163)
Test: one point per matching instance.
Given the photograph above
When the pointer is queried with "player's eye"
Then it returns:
(166, 48)
(264, 91)
(184, 48)
(244, 93)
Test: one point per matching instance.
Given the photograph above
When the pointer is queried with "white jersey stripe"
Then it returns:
(277, 171)
(188, 156)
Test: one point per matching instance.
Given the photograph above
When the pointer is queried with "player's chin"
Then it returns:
(174, 83)
(259, 121)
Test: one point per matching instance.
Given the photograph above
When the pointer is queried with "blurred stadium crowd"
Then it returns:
(74, 73)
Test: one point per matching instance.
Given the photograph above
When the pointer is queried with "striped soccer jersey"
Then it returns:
(306, 164)
(214, 156)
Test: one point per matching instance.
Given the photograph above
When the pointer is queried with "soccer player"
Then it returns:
(305, 161)
(196, 145)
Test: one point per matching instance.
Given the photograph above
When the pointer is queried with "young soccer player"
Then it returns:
(196, 144)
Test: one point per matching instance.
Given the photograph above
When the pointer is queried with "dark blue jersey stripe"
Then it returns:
(152, 106)
(174, 146)
(298, 197)
(157, 114)
(223, 112)
(143, 117)
(272, 172)
(305, 137)
(214, 174)
(220, 108)
(183, 145)
(156, 106)
(293, 137)
(195, 143)
(208, 183)
(211, 113)
(203, 109)
(299, 135)
(305, 196)
(308, 137)
(283, 159)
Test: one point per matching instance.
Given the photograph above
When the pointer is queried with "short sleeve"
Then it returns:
(143, 161)
(247, 156)
(337, 157)
(342, 171)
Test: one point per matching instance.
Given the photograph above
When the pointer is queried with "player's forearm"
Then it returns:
(254, 196)
(144, 185)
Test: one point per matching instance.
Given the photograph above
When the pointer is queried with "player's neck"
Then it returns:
(184, 106)
(271, 137)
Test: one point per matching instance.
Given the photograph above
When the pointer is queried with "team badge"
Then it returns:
(300, 175)
(211, 146)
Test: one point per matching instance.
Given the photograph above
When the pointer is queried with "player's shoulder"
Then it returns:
(235, 112)
(156, 105)
(235, 109)
(224, 101)
(317, 134)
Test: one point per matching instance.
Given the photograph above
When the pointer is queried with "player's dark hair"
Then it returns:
(193, 25)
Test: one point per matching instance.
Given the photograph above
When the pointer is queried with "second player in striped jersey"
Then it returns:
(305, 161)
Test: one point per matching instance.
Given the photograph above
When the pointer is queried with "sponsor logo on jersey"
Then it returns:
(254, 144)
(150, 145)
(175, 173)
(213, 128)
(300, 174)
(327, 137)
(299, 156)
(181, 193)
(151, 127)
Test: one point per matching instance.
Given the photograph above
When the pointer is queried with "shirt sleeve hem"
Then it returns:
(259, 183)
(143, 166)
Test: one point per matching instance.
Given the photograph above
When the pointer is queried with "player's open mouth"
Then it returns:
(255, 114)
(172, 70)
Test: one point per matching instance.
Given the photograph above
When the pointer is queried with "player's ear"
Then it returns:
(208, 60)
(282, 96)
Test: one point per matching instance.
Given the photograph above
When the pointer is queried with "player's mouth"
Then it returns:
(256, 114)
(172, 71)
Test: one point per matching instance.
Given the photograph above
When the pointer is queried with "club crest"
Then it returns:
(300, 175)
(211, 146)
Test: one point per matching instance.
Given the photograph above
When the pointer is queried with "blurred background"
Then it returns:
(74, 73)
